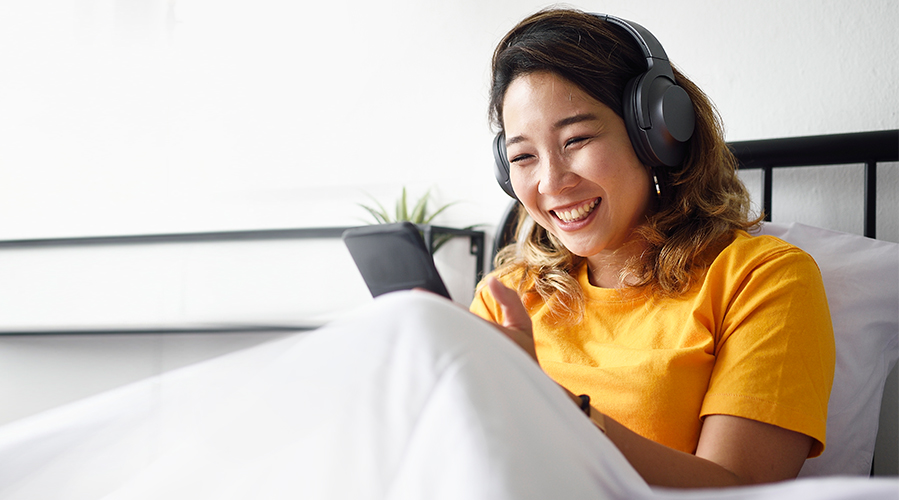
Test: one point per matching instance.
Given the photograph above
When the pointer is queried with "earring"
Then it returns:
(655, 179)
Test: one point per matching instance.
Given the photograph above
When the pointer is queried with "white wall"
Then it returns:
(145, 116)
(183, 115)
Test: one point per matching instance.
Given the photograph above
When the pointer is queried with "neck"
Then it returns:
(606, 268)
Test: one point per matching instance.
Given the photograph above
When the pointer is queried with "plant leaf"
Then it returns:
(401, 213)
(380, 214)
(437, 212)
(420, 211)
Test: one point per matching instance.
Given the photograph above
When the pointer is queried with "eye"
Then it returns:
(576, 140)
(520, 158)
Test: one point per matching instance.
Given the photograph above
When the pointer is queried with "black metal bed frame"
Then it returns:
(868, 148)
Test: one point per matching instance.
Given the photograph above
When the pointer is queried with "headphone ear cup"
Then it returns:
(673, 120)
(663, 141)
(638, 138)
(501, 165)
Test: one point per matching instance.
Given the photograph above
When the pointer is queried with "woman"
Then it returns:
(707, 354)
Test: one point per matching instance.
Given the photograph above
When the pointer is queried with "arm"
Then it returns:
(731, 450)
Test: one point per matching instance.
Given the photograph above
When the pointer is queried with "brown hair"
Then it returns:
(706, 201)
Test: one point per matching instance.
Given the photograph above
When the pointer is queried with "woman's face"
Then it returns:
(572, 165)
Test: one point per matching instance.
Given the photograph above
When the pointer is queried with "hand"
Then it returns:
(516, 322)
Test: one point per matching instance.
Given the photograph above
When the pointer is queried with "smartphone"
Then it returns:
(392, 257)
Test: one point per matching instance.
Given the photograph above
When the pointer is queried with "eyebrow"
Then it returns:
(564, 122)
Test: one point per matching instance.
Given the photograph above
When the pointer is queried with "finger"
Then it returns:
(514, 313)
(516, 322)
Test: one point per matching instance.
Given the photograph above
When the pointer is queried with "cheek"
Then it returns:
(520, 185)
(643, 192)
(527, 195)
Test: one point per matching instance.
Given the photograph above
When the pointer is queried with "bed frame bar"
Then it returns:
(868, 148)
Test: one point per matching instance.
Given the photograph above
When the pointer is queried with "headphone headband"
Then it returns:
(649, 44)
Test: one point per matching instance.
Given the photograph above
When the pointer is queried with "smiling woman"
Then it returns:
(708, 354)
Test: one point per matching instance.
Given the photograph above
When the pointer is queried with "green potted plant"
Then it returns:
(418, 214)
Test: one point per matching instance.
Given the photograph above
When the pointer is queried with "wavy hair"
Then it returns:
(705, 202)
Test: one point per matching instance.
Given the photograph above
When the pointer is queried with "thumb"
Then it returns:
(515, 315)
(516, 322)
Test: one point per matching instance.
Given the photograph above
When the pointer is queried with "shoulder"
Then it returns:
(757, 272)
(765, 277)
(748, 253)
(761, 245)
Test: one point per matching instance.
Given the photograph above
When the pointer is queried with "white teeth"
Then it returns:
(577, 213)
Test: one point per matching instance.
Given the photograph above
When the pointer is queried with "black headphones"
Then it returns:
(658, 113)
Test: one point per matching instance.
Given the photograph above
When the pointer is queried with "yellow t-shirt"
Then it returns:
(753, 339)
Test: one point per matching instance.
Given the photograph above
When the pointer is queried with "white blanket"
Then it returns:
(409, 398)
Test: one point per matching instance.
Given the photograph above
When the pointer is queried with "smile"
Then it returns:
(576, 213)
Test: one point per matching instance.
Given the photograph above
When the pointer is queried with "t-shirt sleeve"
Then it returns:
(775, 347)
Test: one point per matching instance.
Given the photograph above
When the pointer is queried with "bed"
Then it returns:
(242, 426)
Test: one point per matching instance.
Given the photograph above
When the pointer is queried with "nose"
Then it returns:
(556, 175)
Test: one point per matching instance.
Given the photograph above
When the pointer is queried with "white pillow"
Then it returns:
(861, 279)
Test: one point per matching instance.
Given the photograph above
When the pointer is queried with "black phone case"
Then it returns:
(393, 257)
